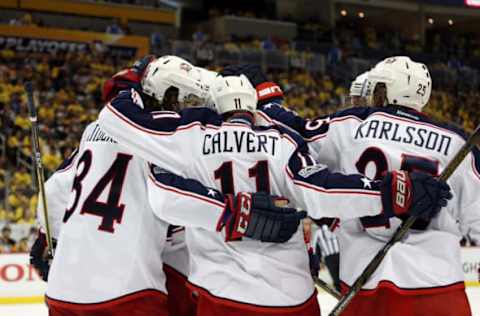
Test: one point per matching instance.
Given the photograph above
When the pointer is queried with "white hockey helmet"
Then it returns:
(234, 93)
(172, 71)
(408, 83)
(358, 88)
(207, 78)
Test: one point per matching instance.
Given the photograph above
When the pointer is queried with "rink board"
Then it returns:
(20, 284)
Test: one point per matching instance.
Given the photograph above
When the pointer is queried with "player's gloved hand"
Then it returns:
(327, 245)
(39, 257)
(126, 79)
(267, 91)
(327, 241)
(256, 216)
(413, 193)
(314, 262)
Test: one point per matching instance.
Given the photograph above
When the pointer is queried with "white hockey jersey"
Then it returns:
(110, 240)
(235, 156)
(374, 140)
(175, 254)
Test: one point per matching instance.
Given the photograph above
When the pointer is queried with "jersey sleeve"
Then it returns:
(164, 138)
(274, 113)
(325, 135)
(323, 193)
(465, 182)
(57, 193)
(184, 202)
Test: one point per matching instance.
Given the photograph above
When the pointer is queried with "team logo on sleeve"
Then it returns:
(313, 125)
(309, 170)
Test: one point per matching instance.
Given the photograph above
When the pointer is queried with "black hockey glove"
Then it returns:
(267, 91)
(256, 216)
(314, 263)
(39, 257)
(413, 193)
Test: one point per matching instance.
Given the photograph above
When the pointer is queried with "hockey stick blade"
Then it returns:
(472, 141)
(327, 288)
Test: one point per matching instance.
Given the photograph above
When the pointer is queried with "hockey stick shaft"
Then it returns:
(327, 288)
(473, 140)
(37, 160)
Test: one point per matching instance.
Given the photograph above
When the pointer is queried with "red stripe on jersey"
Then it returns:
(334, 120)
(105, 304)
(406, 291)
(344, 118)
(150, 131)
(169, 115)
(265, 116)
(191, 194)
(274, 122)
(277, 310)
(177, 230)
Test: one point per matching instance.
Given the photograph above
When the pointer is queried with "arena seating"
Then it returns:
(68, 89)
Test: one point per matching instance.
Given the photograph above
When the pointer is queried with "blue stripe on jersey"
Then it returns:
(284, 131)
(162, 121)
(476, 160)
(320, 126)
(184, 185)
(172, 229)
(280, 114)
(305, 171)
(67, 163)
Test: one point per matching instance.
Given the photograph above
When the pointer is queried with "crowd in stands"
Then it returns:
(23, 243)
(68, 93)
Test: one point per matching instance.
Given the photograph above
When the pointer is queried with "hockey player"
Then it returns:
(358, 90)
(108, 260)
(422, 275)
(326, 248)
(230, 153)
(176, 265)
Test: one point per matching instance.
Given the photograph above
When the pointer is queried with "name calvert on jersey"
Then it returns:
(238, 157)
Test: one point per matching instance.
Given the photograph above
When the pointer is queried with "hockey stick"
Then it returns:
(38, 163)
(473, 140)
(327, 288)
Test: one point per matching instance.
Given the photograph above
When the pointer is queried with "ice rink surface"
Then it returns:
(326, 303)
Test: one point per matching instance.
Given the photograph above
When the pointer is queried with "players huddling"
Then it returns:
(217, 153)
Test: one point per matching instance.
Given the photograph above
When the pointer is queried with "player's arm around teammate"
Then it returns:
(168, 133)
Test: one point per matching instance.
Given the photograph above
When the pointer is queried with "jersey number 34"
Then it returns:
(110, 211)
